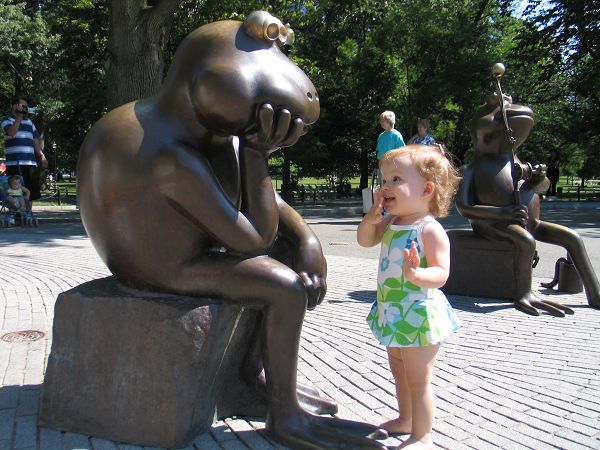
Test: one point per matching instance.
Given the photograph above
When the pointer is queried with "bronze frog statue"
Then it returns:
(487, 197)
(176, 196)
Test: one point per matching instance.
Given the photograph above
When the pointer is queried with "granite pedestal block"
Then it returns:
(482, 267)
(144, 368)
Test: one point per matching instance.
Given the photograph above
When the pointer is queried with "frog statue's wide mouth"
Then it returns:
(519, 112)
(488, 130)
(513, 111)
(521, 120)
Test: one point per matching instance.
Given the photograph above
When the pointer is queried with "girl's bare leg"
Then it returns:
(418, 367)
(403, 423)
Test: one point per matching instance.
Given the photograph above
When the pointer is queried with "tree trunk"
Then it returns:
(137, 38)
(365, 173)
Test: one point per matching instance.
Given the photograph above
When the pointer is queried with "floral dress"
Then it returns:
(406, 315)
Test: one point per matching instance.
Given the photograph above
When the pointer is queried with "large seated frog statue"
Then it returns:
(496, 211)
(176, 197)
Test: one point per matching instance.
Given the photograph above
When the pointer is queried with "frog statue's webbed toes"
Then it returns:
(530, 304)
(545, 304)
(312, 400)
(302, 430)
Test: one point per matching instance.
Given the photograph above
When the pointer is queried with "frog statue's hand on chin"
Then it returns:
(176, 197)
(486, 197)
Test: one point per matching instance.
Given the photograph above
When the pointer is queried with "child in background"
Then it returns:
(411, 316)
(17, 194)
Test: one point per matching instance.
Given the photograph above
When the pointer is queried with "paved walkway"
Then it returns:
(506, 380)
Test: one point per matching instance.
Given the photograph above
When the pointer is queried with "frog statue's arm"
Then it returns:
(308, 262)
(465, 203)
(275, 129)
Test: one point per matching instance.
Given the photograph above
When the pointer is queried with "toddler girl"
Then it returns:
(411, 316)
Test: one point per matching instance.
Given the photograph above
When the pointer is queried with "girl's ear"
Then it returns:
(429, 188)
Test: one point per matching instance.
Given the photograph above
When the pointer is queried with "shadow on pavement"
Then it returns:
(361, 296)
(478, 304)
(43, 234)
(25, 398)
(463, 303)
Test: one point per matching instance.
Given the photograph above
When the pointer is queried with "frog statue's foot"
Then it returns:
(530, 304)
(308, 397)
(311, 403)
(311, 400)
(301, 430)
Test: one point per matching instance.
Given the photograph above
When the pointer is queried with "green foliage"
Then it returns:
(573, 159)
(78, 82)
(26, 51)
(563, 36)
(26, 57)
(420, 59)
(54, 54)
(445, 121)
(352, 74)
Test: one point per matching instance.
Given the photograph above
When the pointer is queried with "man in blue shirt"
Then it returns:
(22, 145)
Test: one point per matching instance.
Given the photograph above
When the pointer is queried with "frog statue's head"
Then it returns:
(488, 132)
(226, 70)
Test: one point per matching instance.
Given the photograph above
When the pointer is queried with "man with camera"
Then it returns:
(22, 146)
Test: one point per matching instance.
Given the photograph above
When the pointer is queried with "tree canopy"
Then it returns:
(75, 59)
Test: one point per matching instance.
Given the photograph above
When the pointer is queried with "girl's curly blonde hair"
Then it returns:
(433, 163)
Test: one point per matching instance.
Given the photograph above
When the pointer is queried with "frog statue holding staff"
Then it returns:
(498, 193)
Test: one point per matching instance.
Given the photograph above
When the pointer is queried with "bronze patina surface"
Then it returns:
(499, 195)
(176, 197)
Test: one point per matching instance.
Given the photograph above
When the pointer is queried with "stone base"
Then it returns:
(143, 368)
(482, 267)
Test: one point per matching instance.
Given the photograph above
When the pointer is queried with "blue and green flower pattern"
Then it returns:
(406, 315)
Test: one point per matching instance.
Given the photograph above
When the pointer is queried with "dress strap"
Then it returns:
(419, 232)
(422, 225)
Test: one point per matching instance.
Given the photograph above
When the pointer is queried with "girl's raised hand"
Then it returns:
(375, 214)
(411, 262)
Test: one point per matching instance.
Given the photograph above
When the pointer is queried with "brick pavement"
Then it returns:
(506, 380)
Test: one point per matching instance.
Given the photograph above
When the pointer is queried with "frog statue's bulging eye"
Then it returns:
(264, 27)
(272, 31)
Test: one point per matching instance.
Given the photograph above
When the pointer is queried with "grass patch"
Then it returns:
(67, 192)
(46, 203)
(313, 181)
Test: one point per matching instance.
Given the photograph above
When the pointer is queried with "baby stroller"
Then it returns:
(10, 214)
